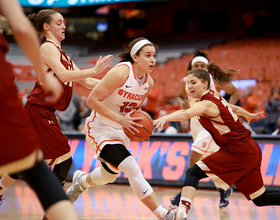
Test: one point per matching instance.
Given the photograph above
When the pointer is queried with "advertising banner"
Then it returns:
(163, 159)
(68, 3)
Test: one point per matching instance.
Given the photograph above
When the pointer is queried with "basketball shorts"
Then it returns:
(53, 143)
(97, 136)
(240, 168)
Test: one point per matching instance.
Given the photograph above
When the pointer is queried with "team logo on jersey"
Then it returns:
(50, 122)
(130, 95)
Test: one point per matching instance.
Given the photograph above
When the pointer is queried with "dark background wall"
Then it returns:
(174, 19)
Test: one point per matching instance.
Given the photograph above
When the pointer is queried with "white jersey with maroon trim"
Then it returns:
(126, 98)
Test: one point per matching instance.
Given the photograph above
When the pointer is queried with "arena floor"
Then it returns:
(116, 202)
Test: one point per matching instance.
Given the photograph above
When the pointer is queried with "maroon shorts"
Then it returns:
(239, 168)
(52, 142)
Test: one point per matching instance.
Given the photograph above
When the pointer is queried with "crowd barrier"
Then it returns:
(163, 159)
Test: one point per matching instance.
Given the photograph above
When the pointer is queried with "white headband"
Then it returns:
(200, 58)
(137, 46)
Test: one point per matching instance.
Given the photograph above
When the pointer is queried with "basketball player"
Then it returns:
(50, 25)
(121, 91)
(238, 159)
(203, 143)
(20, 151)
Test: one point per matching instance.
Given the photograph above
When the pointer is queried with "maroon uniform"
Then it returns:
(239, 158)
(19, 150)
(53, 143)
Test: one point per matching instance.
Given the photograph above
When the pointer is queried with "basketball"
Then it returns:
(147, 129)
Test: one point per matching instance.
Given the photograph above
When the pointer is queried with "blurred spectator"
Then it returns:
(65, 118)
(251, 103)
(277, 131)
(272, 108)
(83, 111)
(184, 127)
(151, 103)
(167, 128)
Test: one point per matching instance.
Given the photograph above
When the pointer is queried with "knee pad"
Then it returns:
(139, 185)
(61, 170)
(193, 175)
(102, 176)
(114, 154)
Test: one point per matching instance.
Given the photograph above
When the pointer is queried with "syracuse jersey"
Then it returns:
(101, 130)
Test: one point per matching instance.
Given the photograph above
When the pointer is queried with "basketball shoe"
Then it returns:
(76, 189)
(170, 215)
(224, 197)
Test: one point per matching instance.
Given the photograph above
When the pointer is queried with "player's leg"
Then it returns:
(82, 181)
(52, 197)
(193, 175)
(61, 170)
(195, 156)
(118, 156)
(267, 198)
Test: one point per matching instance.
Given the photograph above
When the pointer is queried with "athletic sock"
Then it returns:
(84, 182)
(185, 205)
(160, 212)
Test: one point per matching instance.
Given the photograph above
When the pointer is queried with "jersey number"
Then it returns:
(127, 107)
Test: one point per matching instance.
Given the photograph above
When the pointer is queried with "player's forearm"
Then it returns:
(180, 115)
(234, 97)
(239, 111)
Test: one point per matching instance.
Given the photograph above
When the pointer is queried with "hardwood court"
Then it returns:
(117, 202)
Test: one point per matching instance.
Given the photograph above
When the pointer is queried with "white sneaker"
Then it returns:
(75, 189)
(170, 215)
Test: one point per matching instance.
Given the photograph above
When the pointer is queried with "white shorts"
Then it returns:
(203, 142)
(97, 136)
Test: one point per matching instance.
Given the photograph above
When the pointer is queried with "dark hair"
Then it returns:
(198, 54)
(38, 20)
(202, 74)
(125, 56)
(221, 76)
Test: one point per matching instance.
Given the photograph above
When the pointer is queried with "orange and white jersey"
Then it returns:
(124, 99)
(101, 130)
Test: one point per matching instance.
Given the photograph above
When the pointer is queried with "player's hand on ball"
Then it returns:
(129, 123)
